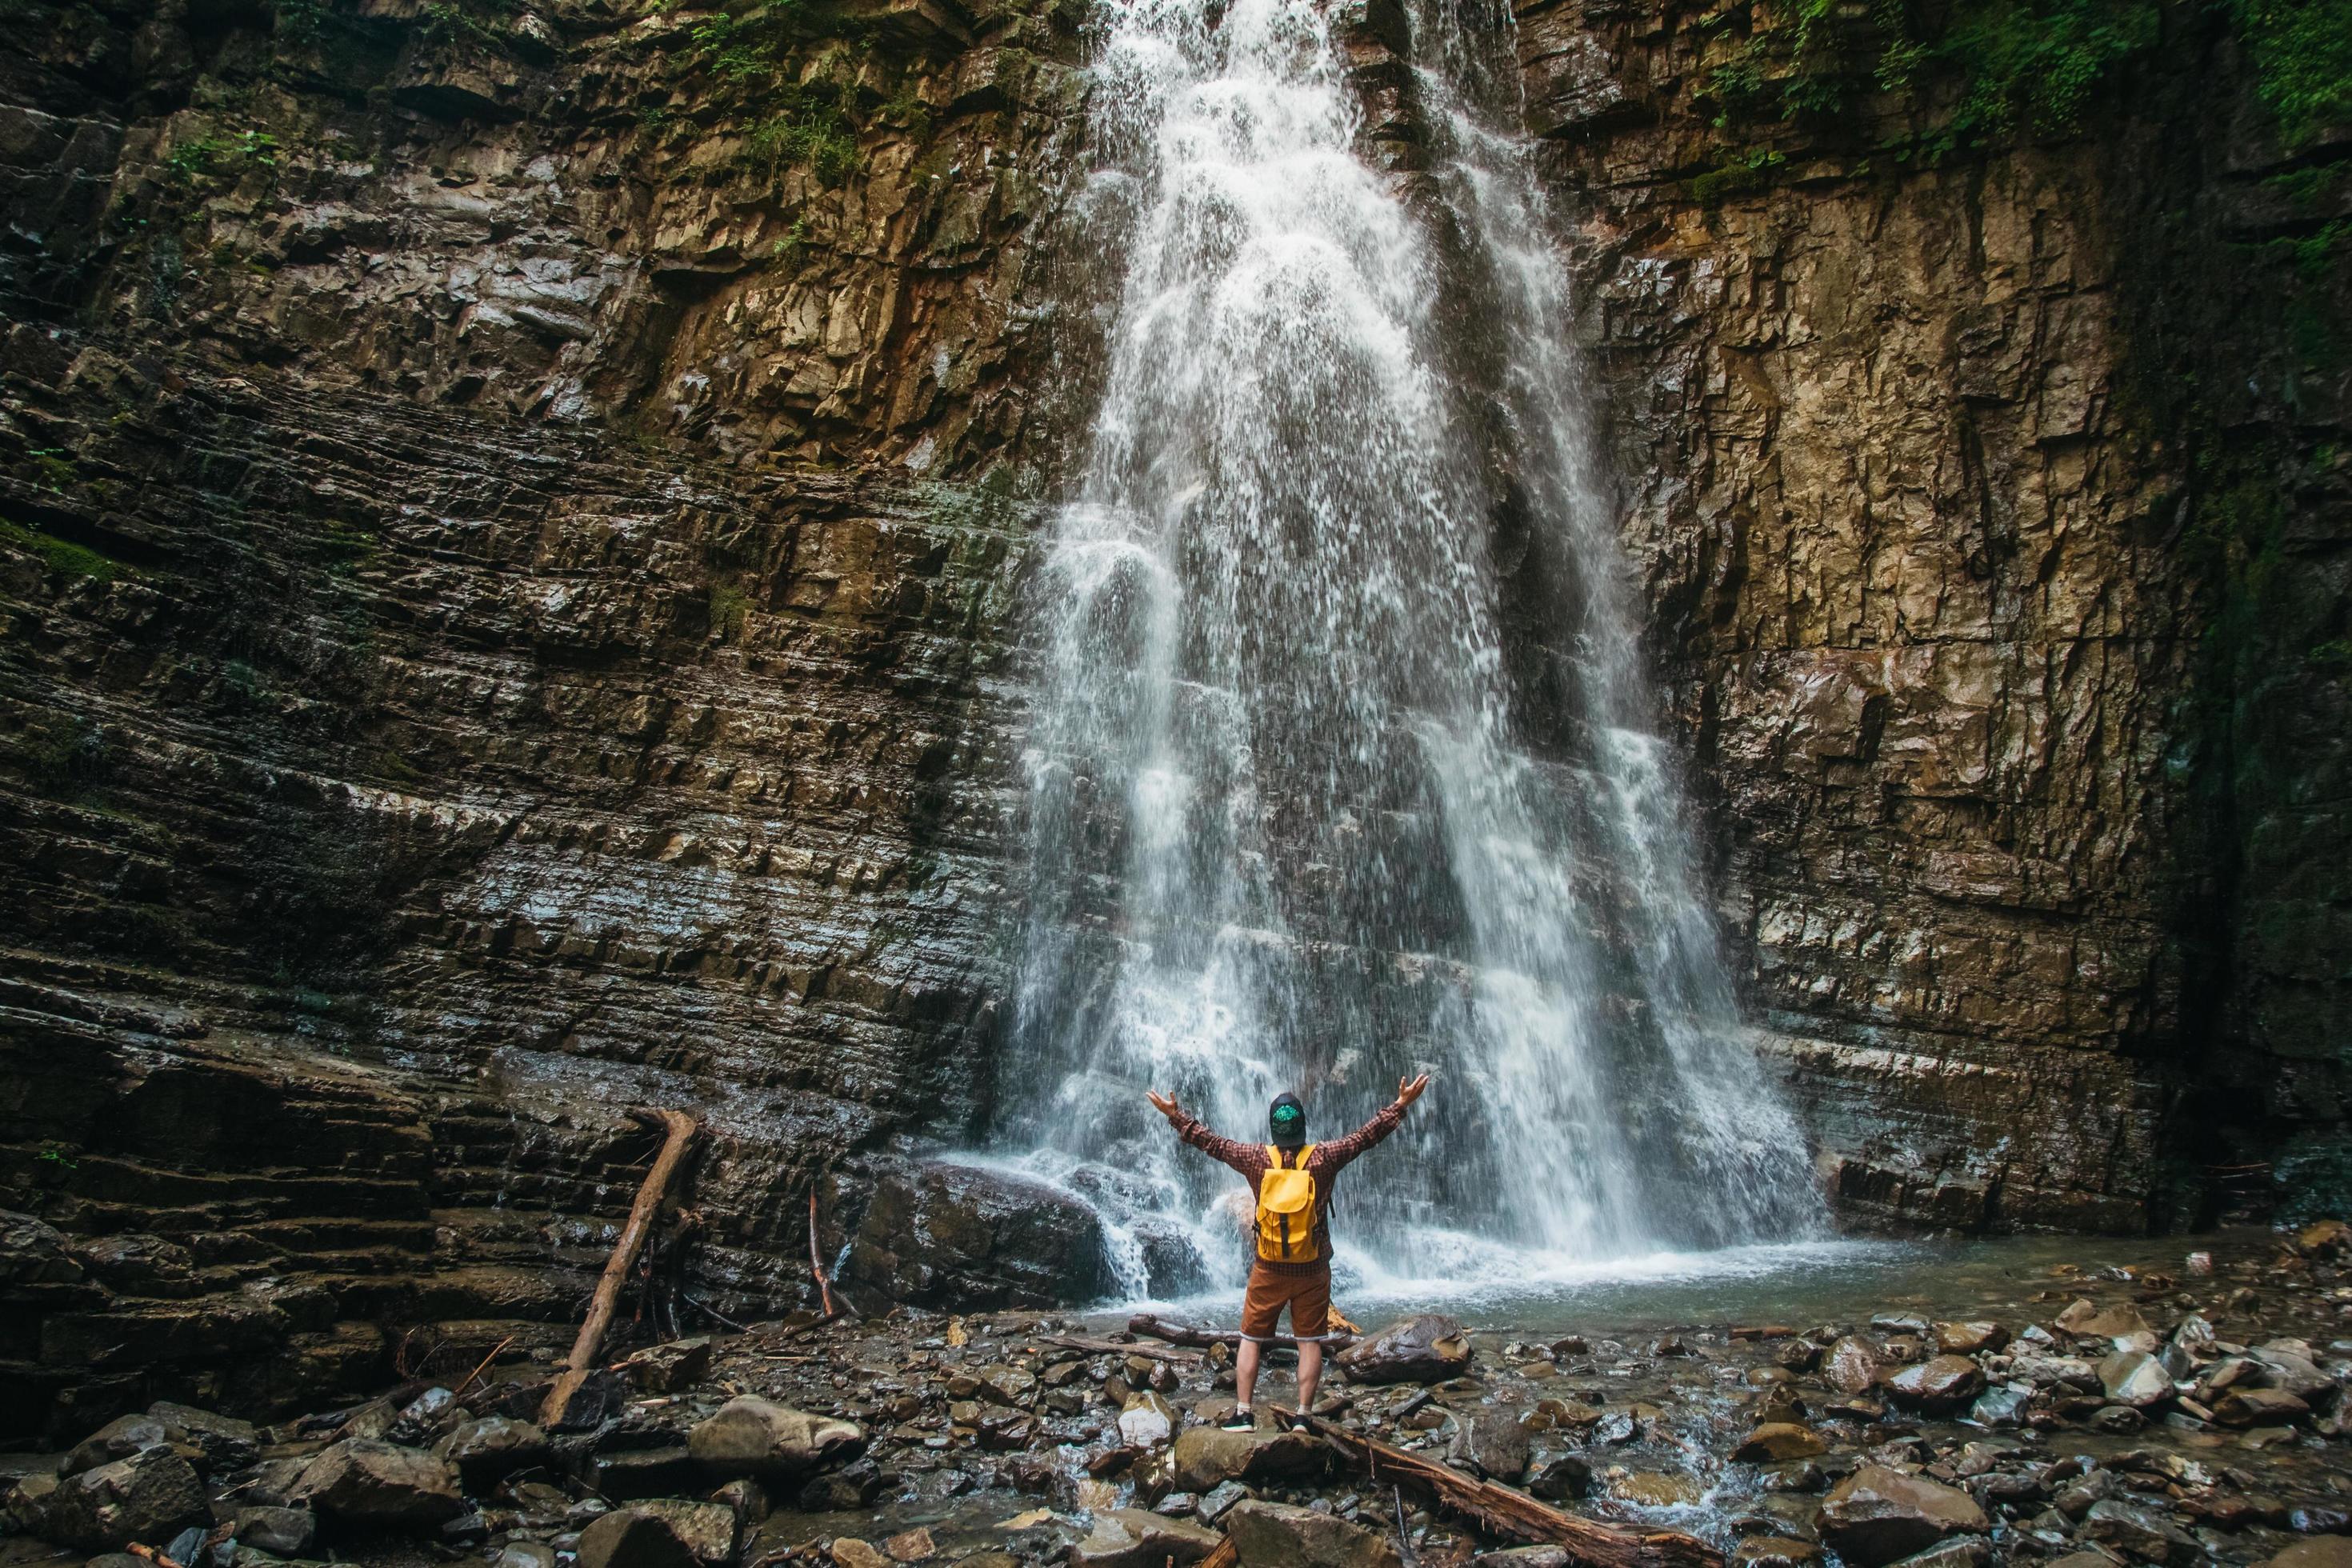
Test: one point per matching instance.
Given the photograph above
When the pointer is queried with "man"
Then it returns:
(1278, 1281)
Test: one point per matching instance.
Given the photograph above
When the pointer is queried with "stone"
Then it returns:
(1494, 1441)
(225, 1442)
(1778, 1440)
(280, 1531)
(2135, 1378)
(2002, 1404)
(1970, 1338)
(1559, 1477)
(2242, 1407)
(1524, 1557)
(493, 1447)
(148, 1497)
(911, 1546)
(367, 1484)
(1275, 1535)
(1146, 1421)
(1956, 1551)
(1851, 1365)
(1876, 1516)
(633, 1538)
(935, 1233)
(2324, 1238)
(2086, 1320)
(1938, 1386)
(2138, 1533)
(668, 1367)
(1218, 1500)
(1773, 1552)
(752, 1437)
(118, 1439)
(711, 1532)
(1138, 1538)
(1654, 1489)
(2318, 1552)
(1429, 1347)
(1208, 1456)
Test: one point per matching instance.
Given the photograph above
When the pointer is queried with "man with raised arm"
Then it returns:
(1291, 1180)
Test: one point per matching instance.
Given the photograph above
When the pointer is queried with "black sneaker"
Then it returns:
(1240, 1420)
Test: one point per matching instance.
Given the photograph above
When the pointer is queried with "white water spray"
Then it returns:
(1320, 792)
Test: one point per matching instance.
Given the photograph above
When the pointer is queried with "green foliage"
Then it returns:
(810, 128)
(1750, 171)
(2005, 66)
(2302, 55)
(69, 759)
(731, 608)
(791, 246)
(451, 21)
(62, 555)
(218, 157)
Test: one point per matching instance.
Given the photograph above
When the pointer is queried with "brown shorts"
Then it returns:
(1308, 1296)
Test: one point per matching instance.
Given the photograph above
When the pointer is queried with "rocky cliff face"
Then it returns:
(513, 524)
(1939, 474)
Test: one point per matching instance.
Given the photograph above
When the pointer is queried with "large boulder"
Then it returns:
(365, 1484)
(1877, 1515)
(148, 1497)
(935, 1233)
(1429, 1348)
(2134, 1378)
(1207, 1455)
(486, 1449)
(1938, 1386)
(753, 1437)
(225, 1442)
(1275, 1535)
(118, 1439)
(1493, 1440)
(1851, 1365)
(1137, 1537)
(667, 1533)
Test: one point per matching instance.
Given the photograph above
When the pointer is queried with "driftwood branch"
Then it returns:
(1112, 1347)
(680, 1129)
(1514, 1515)
(1202, 1339)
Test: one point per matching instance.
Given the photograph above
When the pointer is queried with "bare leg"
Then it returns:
(1246, 1373)
(1311, 1371)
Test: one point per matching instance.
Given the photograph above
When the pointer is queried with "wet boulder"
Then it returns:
(1137, 1537)
(2134, 1378)
(148, 1497)
(1969, 1339)
(1877, 1516)
(1429, 1347)
(1275, 1535)
(365, 1484)
(1937, 1384)
(666, 1368)
(1851, 1365)
(1773, 1552)
(2139, 1531)
(2319, 1552)
(935, 1233)
(753, 1437)
(494, 1447)
(1559, 1477)
(669, 1533)
(1495, 1441)
(280, 1531)
(118, 1439)
(2243, 1406)
(1206, 1456)
(1777, 1440)
(1147, 1420)
(2002, 1404)
(224, 1442)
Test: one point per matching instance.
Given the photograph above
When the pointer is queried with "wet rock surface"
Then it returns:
(1005, 1439)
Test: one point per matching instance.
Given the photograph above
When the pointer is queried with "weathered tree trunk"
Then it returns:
(681, 1128)
(1501, 1510)
(1202, 1339)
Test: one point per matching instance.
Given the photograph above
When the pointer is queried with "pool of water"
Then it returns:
(1797, 1283)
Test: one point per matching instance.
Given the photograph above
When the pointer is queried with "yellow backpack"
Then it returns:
(1285, 1209)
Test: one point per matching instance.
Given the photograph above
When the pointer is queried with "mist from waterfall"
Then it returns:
(1342, 763)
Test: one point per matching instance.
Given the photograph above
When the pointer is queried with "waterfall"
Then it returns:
(1342, 763)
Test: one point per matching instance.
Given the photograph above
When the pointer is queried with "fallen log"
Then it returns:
(1514, 1515)
(1112, 1347)
(680, 1129)
(1202, 1339)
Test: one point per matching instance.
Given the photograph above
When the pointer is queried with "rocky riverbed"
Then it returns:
(2183, 1415)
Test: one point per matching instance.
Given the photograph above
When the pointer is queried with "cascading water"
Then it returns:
(1301, 814)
